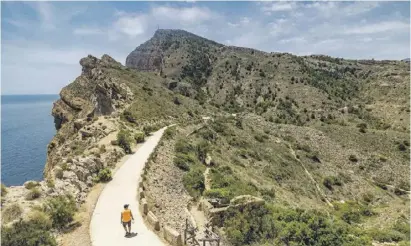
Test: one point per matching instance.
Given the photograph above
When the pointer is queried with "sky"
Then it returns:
(42, 42)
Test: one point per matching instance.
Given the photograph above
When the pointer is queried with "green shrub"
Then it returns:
(352, 212)
(402, 147)
(11, 212)
(387, 235)
(139, 137)
(102, 149)
(194, 182)
(104, 175)
(50, 183)
(223, 177)
(330, 181)
(124, 140)
(31, 184)
(403, 226)
(149, 129)
(183, 146)
(39, 217)
(353, 158)
(268, 192)
(184, 161)
(220, 193)
(261, 138)
(3, 190)
(31, 233)
(34, 193)
(203, 148)
(283, 226)
(64, 166)
(314, 156)
(61, 210)
(59, 173)
(170, 132)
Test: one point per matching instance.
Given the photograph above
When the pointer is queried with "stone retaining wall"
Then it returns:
(172, 236)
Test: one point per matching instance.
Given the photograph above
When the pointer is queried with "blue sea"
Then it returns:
(26, 129)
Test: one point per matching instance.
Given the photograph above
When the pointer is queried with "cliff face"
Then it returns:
(96, 92)
(93, 93)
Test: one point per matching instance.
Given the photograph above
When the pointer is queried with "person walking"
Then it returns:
(126, 217)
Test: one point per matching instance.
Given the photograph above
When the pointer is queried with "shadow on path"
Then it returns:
(132, 234)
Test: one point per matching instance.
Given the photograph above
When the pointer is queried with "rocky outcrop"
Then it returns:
(150, 56)
(93, 93)
(96, 92)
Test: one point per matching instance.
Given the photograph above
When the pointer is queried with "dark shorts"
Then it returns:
(127, 223)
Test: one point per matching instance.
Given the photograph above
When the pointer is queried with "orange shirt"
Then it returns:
(126, 215)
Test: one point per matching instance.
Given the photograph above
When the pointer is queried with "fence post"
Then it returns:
(185, 234)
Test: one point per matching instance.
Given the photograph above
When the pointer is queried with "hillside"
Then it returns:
(323, 141)
(344, 121)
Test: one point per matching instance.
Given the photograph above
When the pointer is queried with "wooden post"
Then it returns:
(185, 234)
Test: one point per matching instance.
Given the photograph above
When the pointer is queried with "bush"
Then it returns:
(330, 181)
(3, 190)
(268, 192)
(34, 193)
(184, 161)
(220, 193)
(59, 173)
(103, 149)
(194, 182)
(353, 158)
(183, 146)
(124, 140)
(61, 210)
(281, 226)
(114, 142)
(170, 132)
(149, 129)
(104, 175)
(31, 184)
(31, 233)
(139, 137)
(314, 156)
(387, 235)
(11, 212)
(402, 147)
(261, 138)
(352, 212)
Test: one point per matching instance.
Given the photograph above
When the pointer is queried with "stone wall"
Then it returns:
(172, 236)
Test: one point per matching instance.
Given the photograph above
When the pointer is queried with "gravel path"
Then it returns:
(105, 227)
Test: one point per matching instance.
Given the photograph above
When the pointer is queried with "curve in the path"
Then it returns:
(105, 226)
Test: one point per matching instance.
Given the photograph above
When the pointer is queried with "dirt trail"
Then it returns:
(207, 181)
(311, 177)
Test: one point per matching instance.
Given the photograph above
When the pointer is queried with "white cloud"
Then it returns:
(51, 56)
(279, 6)
(45, 11)
(295, 40)
(88, 31)
(190, 15)
(131, 24)
(387, 26)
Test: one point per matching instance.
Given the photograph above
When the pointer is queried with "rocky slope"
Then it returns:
(309, 129)
(305, 130)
